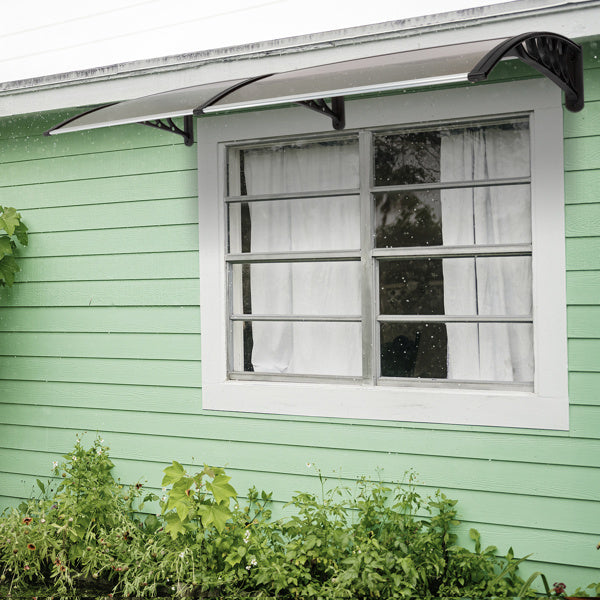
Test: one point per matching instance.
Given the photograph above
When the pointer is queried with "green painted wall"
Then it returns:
(102, 333)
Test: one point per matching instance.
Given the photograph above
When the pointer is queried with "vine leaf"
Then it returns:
(11, 227)
(6, 247)
(214, 514)
(10, 220)
(221, 489)
(173, 473)
(174, 525)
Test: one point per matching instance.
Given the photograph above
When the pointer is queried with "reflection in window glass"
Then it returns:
(498, 286)
(408, 219)
(458, 351)
(414, 350)
(411, 287)
(407, 158)
(453, 217)
(415, 157)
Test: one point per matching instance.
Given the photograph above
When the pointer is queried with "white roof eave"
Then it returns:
(130, 80)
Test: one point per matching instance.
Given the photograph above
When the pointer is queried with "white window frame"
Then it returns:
(547, 407)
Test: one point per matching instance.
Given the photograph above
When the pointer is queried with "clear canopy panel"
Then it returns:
(387, 72)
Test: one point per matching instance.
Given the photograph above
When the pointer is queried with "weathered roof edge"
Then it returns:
(129, 80)
(353, 35)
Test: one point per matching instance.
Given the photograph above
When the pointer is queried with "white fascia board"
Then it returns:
(140, 78)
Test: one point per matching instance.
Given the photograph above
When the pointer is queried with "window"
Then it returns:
(445, 256)
(393, 270)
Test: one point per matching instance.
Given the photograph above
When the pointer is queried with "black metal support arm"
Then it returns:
(556, 57)
(169, 125)
(337, 111)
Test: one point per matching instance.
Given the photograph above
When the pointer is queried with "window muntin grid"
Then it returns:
(418, 194)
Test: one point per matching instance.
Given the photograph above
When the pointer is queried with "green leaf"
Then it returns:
(173, 473)
(6, 247)
(10, 220)
(182, 485)
(41, 486)
(216, 515)
(220, 488)
(172, 502)
(474, 535)
(21, 233)
(8, 268)
(233, 559)
(183, 509)
(151, 523)
(174, 525)
(525, 587)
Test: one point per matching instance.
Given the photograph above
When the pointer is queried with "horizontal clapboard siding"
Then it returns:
(582, 212)
(102, 333)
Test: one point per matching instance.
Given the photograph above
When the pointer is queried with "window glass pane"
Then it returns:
(407, 158)
(299, 348)
(303, 224)
(408, 219)
(411, 287)
(481, 152)
(456, 286)
(486, 215)
(490, 352)
(460, 153)
(456, 217)
(302, 288)
(500, 352)
(294, 167)
(413, 350)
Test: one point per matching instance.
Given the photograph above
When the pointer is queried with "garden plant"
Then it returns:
(87, 534)
(12, 230)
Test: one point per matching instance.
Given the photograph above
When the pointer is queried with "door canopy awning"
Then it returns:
(323, 88)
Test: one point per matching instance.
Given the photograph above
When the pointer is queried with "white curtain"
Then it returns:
(487, 286)
(305, 288)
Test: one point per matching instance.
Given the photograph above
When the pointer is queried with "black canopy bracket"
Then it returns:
(199, 110)
(556, 57)
(337, 111)
(169, 125)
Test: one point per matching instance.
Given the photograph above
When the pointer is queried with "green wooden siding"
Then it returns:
(102, 333)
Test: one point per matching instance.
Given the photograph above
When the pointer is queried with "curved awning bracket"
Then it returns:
(337, 111)
(556, 57)
(169, 125)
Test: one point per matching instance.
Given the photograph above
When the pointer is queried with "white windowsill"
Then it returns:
(460, 407)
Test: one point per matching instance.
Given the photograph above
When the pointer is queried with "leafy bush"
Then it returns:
(12, 229)
(372, 542)
(63, 538)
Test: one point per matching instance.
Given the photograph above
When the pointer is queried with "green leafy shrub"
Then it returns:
(189, 505)
(375, 541)
(63, 538)
(372, 545)
(12, 230)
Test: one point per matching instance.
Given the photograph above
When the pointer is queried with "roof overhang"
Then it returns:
(553, 55)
